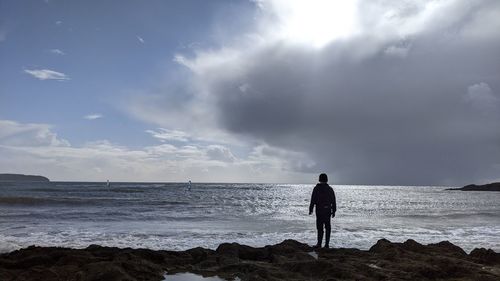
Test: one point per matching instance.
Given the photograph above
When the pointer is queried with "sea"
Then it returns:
(169, 216)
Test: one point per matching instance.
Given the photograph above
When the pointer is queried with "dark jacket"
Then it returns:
(323, 197)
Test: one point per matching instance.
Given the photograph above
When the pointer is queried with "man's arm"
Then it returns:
(334, 204)
(313, 201)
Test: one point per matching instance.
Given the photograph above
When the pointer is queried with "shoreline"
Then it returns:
(288, 260)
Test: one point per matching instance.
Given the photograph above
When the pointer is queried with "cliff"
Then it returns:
(22, 178)
(485, 187)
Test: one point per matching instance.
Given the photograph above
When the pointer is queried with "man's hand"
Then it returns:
(310, 213)
(333, 215)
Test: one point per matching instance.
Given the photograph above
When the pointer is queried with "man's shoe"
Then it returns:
(327, 246)
(317, 246)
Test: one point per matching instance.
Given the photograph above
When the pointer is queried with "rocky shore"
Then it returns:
(289, 260)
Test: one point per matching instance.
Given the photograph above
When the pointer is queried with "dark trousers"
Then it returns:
(323, 221)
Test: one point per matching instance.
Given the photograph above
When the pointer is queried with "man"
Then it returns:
(324, 199)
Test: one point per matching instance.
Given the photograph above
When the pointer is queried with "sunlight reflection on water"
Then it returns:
(192, 277)
(166, 216)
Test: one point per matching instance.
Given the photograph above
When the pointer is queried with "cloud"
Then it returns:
(284, 159)
(140, 39)
(381, 102)
(93, 116)
(57, 52)
(220, 153)
(35, 148)
(397, 51)
(169, 135)
(481, 97)
(47, 74)
(17, 134)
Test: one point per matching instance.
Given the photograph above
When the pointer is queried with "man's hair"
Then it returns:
(323, 177)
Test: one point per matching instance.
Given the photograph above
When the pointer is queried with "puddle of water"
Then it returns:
(313, 254)
(190, 277)
(374, 266)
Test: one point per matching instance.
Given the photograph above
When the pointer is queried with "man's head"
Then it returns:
(323, 178)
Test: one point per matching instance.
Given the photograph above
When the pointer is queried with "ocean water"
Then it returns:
(167, 216)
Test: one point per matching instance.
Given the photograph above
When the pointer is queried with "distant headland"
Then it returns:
(22, 178)
(485, 187)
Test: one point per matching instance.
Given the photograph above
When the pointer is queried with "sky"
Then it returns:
(380, 92)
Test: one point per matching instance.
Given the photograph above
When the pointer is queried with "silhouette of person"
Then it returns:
(323, 197)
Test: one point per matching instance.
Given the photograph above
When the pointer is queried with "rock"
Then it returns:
(104, 271)
(412, 245)
(384, 247)
(228, 254)
(486, 256)
(289, 260)
(448, 248)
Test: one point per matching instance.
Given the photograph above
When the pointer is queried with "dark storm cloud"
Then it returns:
(418, 107)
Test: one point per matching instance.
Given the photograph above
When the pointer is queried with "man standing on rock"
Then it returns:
(323, 197)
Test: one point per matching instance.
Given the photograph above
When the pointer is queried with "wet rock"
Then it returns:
(289, 260)
(199, 254)
(449, 248)
(104, 271)
(486, 256)
(382, 245)
(414, 246)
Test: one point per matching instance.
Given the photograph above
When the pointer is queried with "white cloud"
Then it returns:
(314, 23)
(220, 152)
(59, 22)
(57, 52)
(140, 39)
(30, 134)
(34, 148)
(93, 116)
(484, 22)
(397, 51)
(481, 97)
(180, 59)
(169, 135)
(47, 74)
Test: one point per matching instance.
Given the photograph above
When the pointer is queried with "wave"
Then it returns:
(492, 214)
(126, 190)
(48, 189)
(93, 201)
(18, 200)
